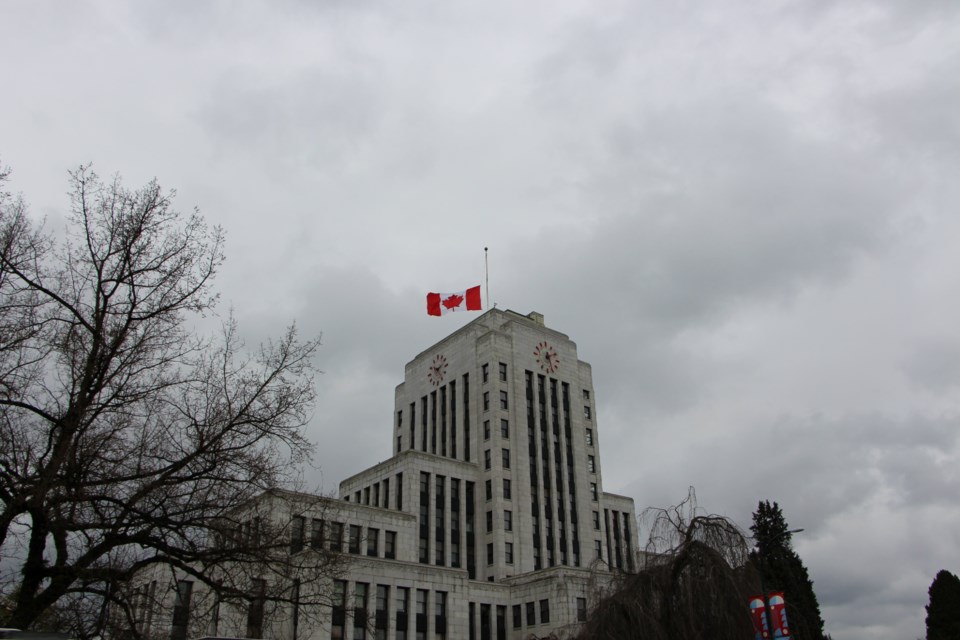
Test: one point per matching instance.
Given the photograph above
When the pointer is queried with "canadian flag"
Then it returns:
(439, 304)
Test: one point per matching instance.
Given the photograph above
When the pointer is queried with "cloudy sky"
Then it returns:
(746, 214)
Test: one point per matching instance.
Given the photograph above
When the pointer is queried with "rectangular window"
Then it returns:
(506, 489)
(390, 545)
(489, 521)
(505, 453)
(366, 495)
(339, 617)
(598, 549)
(382, 614)
(594, 493)
(486, 429)
(487, 460)
(586, 394)
(489, 553)
(596, 520)
(503, 400)
(316, 534)
(508, 520)
(373, 542)
(586, 411)
(336, 536)
(297, 527)
(517, 616)
(486, 400)
(422, 613)
(399, 501)
(501, 622)
(589, 437)
(386, 493)
(544, 611)
(504, 428)
(581, 609)
(360, 596)
(485, 373)
(258, 598)
(181, 610)
(440, 608)
(402, 608)
(531, 614)
(591, 464)
(354, 542)
(488, 486)
(508, 552)
(503, 372)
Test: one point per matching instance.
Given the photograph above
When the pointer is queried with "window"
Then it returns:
(360, 610)
(181, 610)
(486, 429)
(380, 621)
(596, 520)
(297, 527)
(531, 614)
(390, 545)
(354, 542)
(258, 588)
(508, 520)
(508, 552)
(373, 542)
(488, 486)
(316, 534)
(517, 616)
(422, 613)
(597, 549)
(486, 459)
(586, 394)
(489, 553)
(336, 536)
(485, 372)
(489, 521)
(503, 372)
(339, 609)
(594, 494)
(503, 400)
(544, 611)
(589, 437)
(506, 489)
(506, 458)
(591, 464)
(486, 400)
(504, 428)
(402, 611)
(581, 609)
(586, 411)
(440, 608)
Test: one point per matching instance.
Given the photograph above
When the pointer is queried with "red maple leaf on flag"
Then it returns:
(452, 302)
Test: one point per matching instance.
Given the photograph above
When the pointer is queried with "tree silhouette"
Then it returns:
(782, 570)
(943, 612)
(694, 581)
(127, 440)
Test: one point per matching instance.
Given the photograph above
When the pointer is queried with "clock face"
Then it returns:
(437, 369)
(546, 357)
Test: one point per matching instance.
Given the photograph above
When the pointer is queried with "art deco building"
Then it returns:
(488, 522)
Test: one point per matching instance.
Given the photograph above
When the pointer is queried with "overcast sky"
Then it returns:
(746, 214)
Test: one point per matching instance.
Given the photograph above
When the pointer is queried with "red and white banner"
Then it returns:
(439, 304)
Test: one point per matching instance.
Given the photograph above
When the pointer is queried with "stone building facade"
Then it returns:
(488, 522)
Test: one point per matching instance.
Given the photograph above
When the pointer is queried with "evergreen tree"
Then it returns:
(782, 570)
(943, 612)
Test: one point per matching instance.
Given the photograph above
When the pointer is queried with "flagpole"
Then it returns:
(486, 269)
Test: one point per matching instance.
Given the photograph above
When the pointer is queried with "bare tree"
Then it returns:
(126, 439)
(694, 582)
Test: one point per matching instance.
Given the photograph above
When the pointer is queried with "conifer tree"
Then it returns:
(943, 612)
(782, 570)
